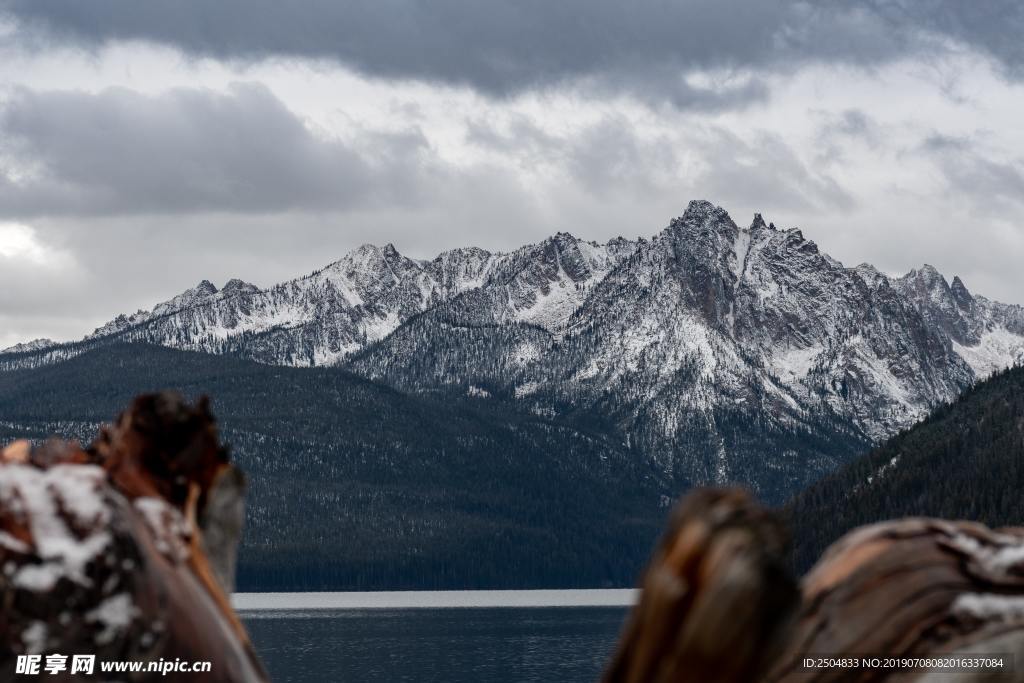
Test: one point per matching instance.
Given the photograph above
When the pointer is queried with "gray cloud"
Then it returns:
(611, 157)
(838, 131)
(506, 47)
(853, 123)
(993, 27)
(766, 173)
(993, 186)
(192, 151)
(608, 156)
(189, 150)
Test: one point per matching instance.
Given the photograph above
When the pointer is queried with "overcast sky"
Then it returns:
(147, 145)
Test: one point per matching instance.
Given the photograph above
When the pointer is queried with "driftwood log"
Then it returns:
(125, 549)
(883, 603)
(716, 600)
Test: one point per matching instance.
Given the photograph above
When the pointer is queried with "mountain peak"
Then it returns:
(367, 249)
(961, 294)
(702, 209)
(927, 275)
(703, 217)
(371, 251)
(927, 278)
(363, 256)
(562, 240)
(461, 254)
(236, 286)
(205, 287)
(190, 297)
(34, 345)
(871, 275)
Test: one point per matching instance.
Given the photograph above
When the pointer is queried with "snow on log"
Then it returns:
(125, 549)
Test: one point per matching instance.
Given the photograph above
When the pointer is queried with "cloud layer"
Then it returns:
(504, 47)
(187, 151)
(145, 146)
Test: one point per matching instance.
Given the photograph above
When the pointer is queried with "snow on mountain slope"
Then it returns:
(703, 315)
(709, 346)
(720, 352)
(33, 345)
(543, 284)
(324, 317)
(760, 307)
(997, 349)
(987, 334)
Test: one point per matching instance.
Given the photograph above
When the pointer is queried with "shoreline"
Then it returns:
(455, 599)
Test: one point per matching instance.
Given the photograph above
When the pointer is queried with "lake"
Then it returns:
(477, 636)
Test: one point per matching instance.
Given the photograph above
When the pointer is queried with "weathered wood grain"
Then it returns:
(716, 605)
(716, 601)
(124, 549)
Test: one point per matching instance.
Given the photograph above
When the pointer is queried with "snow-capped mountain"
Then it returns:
(33, 345)
(703, 344)
(987, 334)
(756, 307)
(725, 353)
(324, 317)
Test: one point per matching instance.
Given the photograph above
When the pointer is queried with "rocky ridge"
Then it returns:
(698, 346)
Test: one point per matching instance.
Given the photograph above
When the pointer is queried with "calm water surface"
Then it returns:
(565, 644)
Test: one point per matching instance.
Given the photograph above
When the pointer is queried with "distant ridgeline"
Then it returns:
(965, 461)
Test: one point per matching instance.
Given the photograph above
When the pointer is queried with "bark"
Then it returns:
(125, 549)
(716, 605)
(716, 602)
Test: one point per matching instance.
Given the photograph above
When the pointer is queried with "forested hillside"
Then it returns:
(965, 461)
(358, 486)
